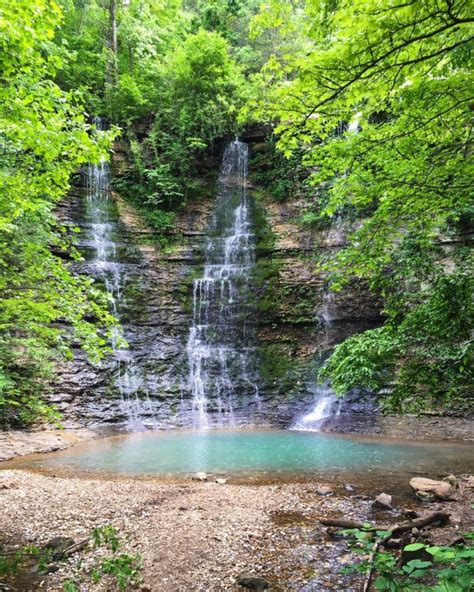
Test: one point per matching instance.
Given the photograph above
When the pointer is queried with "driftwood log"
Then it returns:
(396, 529)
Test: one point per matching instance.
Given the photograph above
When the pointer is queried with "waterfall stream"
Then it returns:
(326, 404)
(135, 404)
(220, 352)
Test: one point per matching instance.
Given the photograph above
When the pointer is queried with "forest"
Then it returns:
(241, 213)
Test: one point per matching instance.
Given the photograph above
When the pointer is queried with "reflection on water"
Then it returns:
(240, 451)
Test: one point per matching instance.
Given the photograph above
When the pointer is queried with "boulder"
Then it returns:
(427, 489)
(383, 502)
(252, 582)
(201, 476)
(324, 490)
(221, 481)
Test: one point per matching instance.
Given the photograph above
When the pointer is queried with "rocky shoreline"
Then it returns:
(20, 443)
(209, 535)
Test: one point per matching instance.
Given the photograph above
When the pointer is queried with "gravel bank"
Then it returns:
(192, 536)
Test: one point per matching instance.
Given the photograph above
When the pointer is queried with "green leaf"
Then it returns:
(414, 547)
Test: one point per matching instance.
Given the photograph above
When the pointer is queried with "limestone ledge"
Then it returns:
(20, 443)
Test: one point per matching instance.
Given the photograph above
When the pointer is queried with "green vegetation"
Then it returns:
(44, 140)
(370, 103)
(399, 74)
(122, 570)
(198, 97)
(368, 107)
(154, 64)
(434, 569)
(142, 63)
(281, 177)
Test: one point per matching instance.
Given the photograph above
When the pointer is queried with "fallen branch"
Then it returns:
(45, 551)
(341, 523)
(370, 571)
(73, 548)
(396, 529)
(433, 518)
(392, 531)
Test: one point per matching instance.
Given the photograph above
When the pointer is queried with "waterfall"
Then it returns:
(107, 266)
(220, 354)
(102, 226)
(326, 405)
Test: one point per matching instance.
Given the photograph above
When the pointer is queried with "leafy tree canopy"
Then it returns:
(44, 139)
(379, 100)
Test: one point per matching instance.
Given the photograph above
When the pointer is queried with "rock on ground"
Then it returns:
(383, 501)
(428, 487)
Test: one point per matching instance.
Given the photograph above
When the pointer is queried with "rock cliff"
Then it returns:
(297, 319)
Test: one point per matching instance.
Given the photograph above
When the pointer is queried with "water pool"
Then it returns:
(253, 451)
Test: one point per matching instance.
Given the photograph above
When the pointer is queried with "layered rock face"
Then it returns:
(296, 319)
(299, 318)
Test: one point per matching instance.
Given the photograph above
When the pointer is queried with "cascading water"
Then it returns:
(101, 226)
(107, 266)
(327, 405)
(220, 353)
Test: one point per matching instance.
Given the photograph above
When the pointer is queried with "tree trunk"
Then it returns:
(112, 70)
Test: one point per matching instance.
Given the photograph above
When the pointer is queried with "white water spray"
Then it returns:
(219, 345)
(327, 405)
(102, 228)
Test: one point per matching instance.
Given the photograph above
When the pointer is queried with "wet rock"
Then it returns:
(383, 502)
(451, 479)
(470, 481)
(201, 476)
(252, 582)
(349, 487)
(324, 490)
(428, 489)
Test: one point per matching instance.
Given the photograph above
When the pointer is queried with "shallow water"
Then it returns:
(254, 451)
